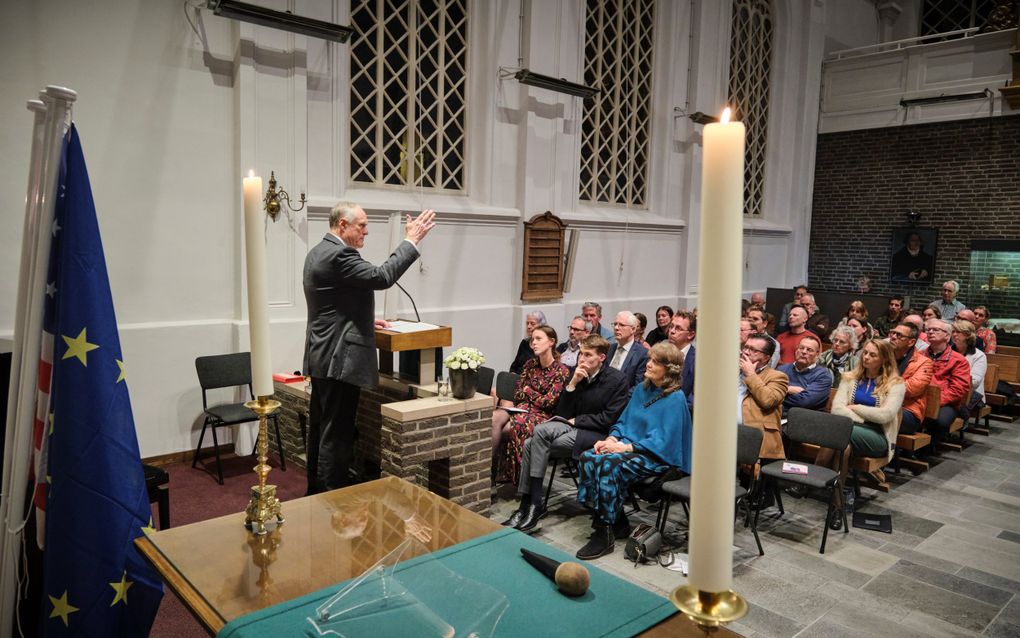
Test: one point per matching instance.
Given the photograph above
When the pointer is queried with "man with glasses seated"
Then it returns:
(569, 349)
(760, 394)
(627, 355)
(950, 372)
(682, 330)
(915, 368)
(809, 383)
(759, 321)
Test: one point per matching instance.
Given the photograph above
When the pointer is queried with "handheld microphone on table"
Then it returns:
(572, 579)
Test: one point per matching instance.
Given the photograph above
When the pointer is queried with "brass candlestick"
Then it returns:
(263, 504)
(709, 610)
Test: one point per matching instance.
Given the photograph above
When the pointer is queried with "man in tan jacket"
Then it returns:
(761, 391)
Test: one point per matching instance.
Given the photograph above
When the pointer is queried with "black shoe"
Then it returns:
(796, 491)
(621, 528)
(518, 516)
(599, 544)
(836, 520)
(532, 515)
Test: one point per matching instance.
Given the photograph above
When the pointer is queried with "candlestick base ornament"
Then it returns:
(709, 610)
(263, 505)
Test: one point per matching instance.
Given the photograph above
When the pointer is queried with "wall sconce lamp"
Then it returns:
(701, 118)
(274, 197)
(913, 217)
(559, 85)
(283, 20)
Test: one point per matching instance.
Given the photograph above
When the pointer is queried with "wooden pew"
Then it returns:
(918, 440)
(1008, 350)
(956, 426)
(1009, 371)
(991, 383)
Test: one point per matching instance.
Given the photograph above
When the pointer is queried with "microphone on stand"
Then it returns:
(413, 305)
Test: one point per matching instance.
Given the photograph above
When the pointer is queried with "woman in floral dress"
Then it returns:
(542, 380)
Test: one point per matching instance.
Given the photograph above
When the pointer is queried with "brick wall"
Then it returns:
(964, 179)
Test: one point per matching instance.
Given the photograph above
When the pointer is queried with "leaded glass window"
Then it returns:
(943, 16)
(750, 81)
(408, 93)
(616, 123)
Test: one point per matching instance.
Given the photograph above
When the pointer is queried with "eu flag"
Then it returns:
(95, 583)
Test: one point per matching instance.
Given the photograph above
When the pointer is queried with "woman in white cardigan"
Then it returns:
(871, 396)
(964, 338)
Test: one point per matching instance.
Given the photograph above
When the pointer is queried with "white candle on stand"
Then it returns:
(258, 287)
(713, 465)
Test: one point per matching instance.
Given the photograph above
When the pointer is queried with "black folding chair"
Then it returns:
(824, 430)
(506, 384)
(748, 447)
(227, 371)
(485, 376)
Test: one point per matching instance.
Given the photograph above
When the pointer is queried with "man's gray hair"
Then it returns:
(956, 286)
(538, 315)
(629, 317)
(946, 325)
(587, 324)
(807, 295)
(346, 211)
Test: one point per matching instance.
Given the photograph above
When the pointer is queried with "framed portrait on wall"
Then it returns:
(913, 255)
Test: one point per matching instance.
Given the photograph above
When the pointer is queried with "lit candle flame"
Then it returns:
(725, 115)
(251, 173)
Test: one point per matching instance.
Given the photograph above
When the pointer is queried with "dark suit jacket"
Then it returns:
(340, 292)
(594, 406)
(633, 367)
(687, 378)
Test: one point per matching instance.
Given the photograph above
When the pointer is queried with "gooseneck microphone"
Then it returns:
(413, 305)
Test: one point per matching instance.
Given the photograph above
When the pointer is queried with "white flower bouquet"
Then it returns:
(464, 359)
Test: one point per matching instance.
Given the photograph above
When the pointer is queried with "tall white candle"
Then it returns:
(714, 460)
(258, 288)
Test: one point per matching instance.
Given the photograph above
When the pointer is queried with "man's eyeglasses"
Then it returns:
(893, 336)
(751, 349)
(935, 330)
(573, 329)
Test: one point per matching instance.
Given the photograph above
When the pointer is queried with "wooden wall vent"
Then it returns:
(543, 258)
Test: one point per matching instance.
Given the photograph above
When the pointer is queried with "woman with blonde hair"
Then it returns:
(964, 340)
(652, 435)
(871, 395)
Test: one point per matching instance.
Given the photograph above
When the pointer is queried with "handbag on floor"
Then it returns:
(643, 544)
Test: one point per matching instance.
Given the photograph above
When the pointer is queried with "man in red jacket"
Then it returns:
(915, 368)
(950, 372)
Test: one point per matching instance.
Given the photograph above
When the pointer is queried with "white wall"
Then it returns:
(171, 119)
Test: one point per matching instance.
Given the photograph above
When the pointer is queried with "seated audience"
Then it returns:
(760, 392)
(757, 299)
(931, 312)
(856, 310)
(948, 305)
(951, 373)
(663, 315)
(639, 335)
(533, 319)
(917, 321)
(746, 330)
(964, 340)
(893, 315)
(784, 315)
(759, 321)
(682, 331)
(808, 383)
(626, 355)
(871, 396)
(569, 349)
(817, 322)
(915, 369)
(862, 330)
(968, 315)
(590, 404)
(652, 435)
(789, 340)
(537, 391)
(984, 333)
(592, 313)
(842, 356)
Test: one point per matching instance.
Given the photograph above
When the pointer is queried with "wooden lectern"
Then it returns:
(424, 341)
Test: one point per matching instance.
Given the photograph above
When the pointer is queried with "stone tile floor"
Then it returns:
(951, 567)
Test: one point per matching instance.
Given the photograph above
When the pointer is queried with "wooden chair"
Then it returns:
(918, 440)
(991, 384)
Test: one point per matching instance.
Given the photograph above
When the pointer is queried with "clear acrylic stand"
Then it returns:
(423, 600)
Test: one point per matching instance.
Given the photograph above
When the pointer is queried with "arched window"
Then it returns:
(616, 124)
(408, 93)
(943, 16)
(750, 81)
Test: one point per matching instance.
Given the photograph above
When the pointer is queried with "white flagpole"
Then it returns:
(47, 135)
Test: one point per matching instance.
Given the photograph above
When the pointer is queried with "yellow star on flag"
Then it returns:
(61, 608)
(149, 529)
(78, 347)
(120, 377)
(121, 589)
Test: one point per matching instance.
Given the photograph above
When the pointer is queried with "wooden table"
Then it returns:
(220, 571)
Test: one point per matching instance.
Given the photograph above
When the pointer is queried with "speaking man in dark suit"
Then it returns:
(340, 354)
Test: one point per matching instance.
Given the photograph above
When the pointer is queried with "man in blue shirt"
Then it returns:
(809, 382)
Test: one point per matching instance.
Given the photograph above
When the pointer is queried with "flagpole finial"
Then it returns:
(36, 106)
(61, 93)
